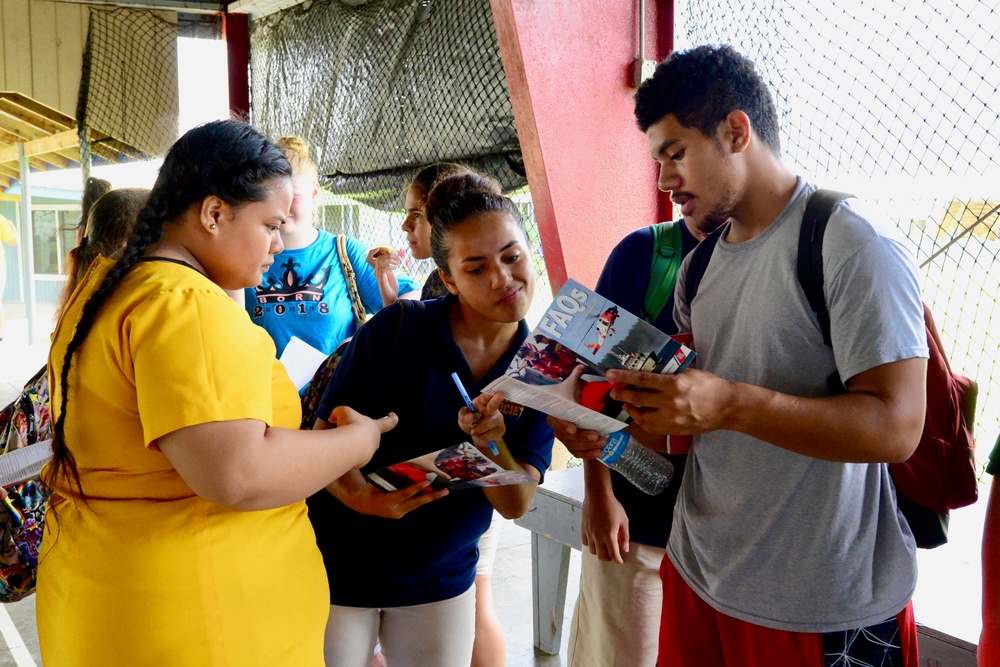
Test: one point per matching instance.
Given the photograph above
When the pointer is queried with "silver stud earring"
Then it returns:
(212, 226)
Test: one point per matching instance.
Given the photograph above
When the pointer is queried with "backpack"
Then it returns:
(24, 427)
(941, 474)
(667, 256)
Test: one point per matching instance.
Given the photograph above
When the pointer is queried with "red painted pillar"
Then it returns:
(236, 32)
(591, 177)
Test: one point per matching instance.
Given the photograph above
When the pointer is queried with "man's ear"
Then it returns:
(211, 213)
(448, 282)
(736, 131)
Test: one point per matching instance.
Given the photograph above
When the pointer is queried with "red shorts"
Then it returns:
(694, 634)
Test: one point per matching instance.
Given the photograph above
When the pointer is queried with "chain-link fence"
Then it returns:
(380, 91)
(896, 102)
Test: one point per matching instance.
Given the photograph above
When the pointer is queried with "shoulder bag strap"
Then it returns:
(809, 263)
(809, 266)
(352, 283)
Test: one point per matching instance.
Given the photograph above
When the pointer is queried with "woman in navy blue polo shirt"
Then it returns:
(401, 565)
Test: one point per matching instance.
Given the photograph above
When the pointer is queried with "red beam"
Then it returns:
(236, 32)
(592, 180)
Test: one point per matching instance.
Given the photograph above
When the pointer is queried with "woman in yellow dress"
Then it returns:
(177, 532)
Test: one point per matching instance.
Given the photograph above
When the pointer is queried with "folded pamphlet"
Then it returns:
(462, 466)
(301, 361)
(24, 463)
(559, 370)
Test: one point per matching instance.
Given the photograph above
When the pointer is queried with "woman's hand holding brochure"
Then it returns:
(353, 490)
(581, 443)
(483, 421)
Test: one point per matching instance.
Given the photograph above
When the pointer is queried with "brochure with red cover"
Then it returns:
(459, 467)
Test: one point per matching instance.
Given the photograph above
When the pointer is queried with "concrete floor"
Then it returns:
(511, 589)
(511, 577)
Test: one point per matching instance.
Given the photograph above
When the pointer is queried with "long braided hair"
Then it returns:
(226, 159)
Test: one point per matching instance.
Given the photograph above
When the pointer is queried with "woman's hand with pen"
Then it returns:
(485, 423)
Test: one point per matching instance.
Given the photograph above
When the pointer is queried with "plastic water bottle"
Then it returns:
(638, 464)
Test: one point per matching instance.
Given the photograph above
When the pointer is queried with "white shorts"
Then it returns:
(488, 546)
(436, 633)
(616, 622)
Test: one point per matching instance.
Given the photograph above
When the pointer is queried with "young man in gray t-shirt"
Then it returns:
(787, 546)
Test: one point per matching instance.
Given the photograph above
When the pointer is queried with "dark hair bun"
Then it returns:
(461, 185)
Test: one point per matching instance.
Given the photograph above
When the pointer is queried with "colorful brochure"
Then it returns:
(462, 466)
(560, 368)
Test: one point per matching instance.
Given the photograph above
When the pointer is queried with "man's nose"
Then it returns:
(667, 180)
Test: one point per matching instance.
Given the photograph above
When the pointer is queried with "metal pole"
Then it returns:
(27, 246)
(642, 29)
(955, 240)
(86, 156)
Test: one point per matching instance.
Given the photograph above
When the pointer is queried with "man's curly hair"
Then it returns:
(701, 86)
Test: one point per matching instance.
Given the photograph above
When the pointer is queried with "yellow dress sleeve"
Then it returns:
(197, 358)
(8, 234)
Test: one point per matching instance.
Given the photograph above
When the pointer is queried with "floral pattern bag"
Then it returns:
(26, 421)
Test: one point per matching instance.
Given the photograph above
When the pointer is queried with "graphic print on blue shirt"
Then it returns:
(293, 291)
(304, 294)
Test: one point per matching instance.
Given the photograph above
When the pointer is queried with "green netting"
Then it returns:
(381, 90)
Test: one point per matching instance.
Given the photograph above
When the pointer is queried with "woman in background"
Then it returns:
(93, 189)
(416, 224)
(103, 233)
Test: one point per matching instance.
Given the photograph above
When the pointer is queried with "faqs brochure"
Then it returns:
(559, 370)
(461, 466)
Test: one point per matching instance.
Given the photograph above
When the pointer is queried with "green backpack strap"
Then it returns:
(667, 256)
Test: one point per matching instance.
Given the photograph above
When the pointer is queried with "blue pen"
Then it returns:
(468, 404)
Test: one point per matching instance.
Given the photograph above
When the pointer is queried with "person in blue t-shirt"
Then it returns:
(305, 293)
(617, 616)
(401, 565)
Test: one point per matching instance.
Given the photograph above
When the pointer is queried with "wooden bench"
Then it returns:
(554, 522)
